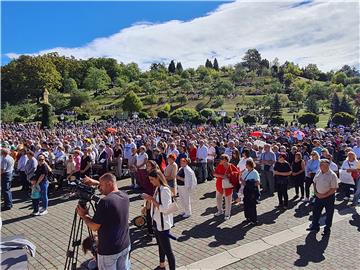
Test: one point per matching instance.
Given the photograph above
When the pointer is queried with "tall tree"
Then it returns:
(335, 104)
(96, 79)
(132, 103)
(179, 67)
(208, 64)
(216, 65)
(312, 105)
(252, 59)
(172, 67)
(276, 106)
(311, 72)
(345, 106)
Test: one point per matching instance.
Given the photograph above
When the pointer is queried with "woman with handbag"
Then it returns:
(186, 183)
(251, 178)
(41, 178)
(162, 217)
(226, 174)
(349, 165)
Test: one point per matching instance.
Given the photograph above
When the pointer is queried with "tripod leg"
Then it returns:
(69, 253)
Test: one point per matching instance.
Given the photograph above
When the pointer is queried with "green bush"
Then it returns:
(19, 119)
(78, 98)
(308, 118)
(182, 115)
(249, 119)
(143, 115)
(163, 114)
(200, 106)
(83, 116)
(277, 120)
(46, 119)
(227, 119)
(207, 112)
(343, 118)
(198, 120)
(218, 102)
(150, 100)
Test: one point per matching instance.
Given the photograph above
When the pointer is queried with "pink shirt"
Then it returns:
(77, 162)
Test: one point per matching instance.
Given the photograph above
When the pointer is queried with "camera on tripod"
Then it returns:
(86, 193)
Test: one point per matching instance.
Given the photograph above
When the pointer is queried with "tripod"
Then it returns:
(75, 239)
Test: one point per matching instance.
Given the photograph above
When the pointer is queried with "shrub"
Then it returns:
(166, 107)
(308, 118)
(198, 119)
(343, 118)
(227, 119)
(46, 119)
(19, 119)
(182, 115)
(277, 120)
(143, 115)
(163, 114)
(218, 102)
(200, 106)
(249, 119)
(83, 116)
(150, 100)
(78, 98)
(207, 112)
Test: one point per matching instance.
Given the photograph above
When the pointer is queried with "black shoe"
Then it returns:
(254, 223)
(296, 196)
(279, 206)
(246, 221)
(326, 232)
(6, 208)
(313, 229)
(160, 268)
(286, 206)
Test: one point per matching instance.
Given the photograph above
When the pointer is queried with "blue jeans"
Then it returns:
(202, 172)
(357, 192)
(119, 261)
(6, 189)
(44, 184)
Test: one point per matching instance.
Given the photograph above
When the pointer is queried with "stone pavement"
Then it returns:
(200, 236)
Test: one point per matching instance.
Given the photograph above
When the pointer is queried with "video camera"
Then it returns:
(86, 193)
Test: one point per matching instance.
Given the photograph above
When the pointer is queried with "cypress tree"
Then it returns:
(276, 106)
(216, 65)
(172, 67)
(179, 67)
(208, 64)
(345, 106)
(335, 104)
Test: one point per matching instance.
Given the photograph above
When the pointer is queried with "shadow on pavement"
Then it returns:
(312, 251)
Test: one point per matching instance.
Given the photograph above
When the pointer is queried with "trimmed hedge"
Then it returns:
(343, 118)
(308, 118)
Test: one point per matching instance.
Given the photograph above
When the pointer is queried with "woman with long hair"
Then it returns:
(41, 178)
(163, 220)
(225, 172)
(170, 173)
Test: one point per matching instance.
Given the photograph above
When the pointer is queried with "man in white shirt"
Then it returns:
(172, 150)
(210, 160)
(128, 149)
(201, 158)
(21, 168)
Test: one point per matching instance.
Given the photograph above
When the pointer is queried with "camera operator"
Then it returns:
(111, 222)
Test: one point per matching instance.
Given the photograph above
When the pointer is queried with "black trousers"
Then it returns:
(163, 242)
(24, 182)
(282, 193)
(308, 183)
(250, 197)
(329, 205)
(149, 222)
(299, 184)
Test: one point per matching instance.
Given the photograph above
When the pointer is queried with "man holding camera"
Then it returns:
(111, 222)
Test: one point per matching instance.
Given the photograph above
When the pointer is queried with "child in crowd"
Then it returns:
(35, 198)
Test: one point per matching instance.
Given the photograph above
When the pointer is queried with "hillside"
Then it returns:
(96, 88)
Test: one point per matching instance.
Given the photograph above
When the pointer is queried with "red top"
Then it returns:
(192, 153)
(232, 173)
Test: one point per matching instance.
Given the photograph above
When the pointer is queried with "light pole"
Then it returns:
(223, 114)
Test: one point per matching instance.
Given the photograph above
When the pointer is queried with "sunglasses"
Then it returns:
(41, 159)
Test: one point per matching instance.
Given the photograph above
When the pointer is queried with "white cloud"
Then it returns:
(325, 33)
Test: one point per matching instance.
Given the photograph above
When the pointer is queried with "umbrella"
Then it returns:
(256, 134)
(111, 130)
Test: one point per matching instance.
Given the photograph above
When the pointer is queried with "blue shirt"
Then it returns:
(250, 176)
(7, 164)
(312, 166)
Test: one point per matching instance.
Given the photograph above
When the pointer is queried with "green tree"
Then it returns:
(239, 74)
(132, 103)
(224, 87)
(345, 106)
(58, 101)
(335, 104)
(252, 59)
(172, 68)
(179, 67)
(78, 98)
(69, 85)
(96, 79)
(208, 64)
(343, 118)
(47, 116)
(311, 72)
(216, 65)
(312, 105)
(339, 77)
(276, 106)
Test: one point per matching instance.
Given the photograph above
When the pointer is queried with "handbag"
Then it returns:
(225, 183)
(355, 175)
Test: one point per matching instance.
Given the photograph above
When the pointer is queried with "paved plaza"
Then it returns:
(204, 241)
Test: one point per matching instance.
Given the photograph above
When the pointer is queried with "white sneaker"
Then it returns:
(227, 217)
(41, 209)
(306, 200)
(35, 213)
(346, 198)
(186, 215)
(218, 214)
(44, 212)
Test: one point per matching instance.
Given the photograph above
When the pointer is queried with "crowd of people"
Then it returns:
(166, 162)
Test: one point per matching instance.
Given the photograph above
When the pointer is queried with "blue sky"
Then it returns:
(325, 33)
(29, 27)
